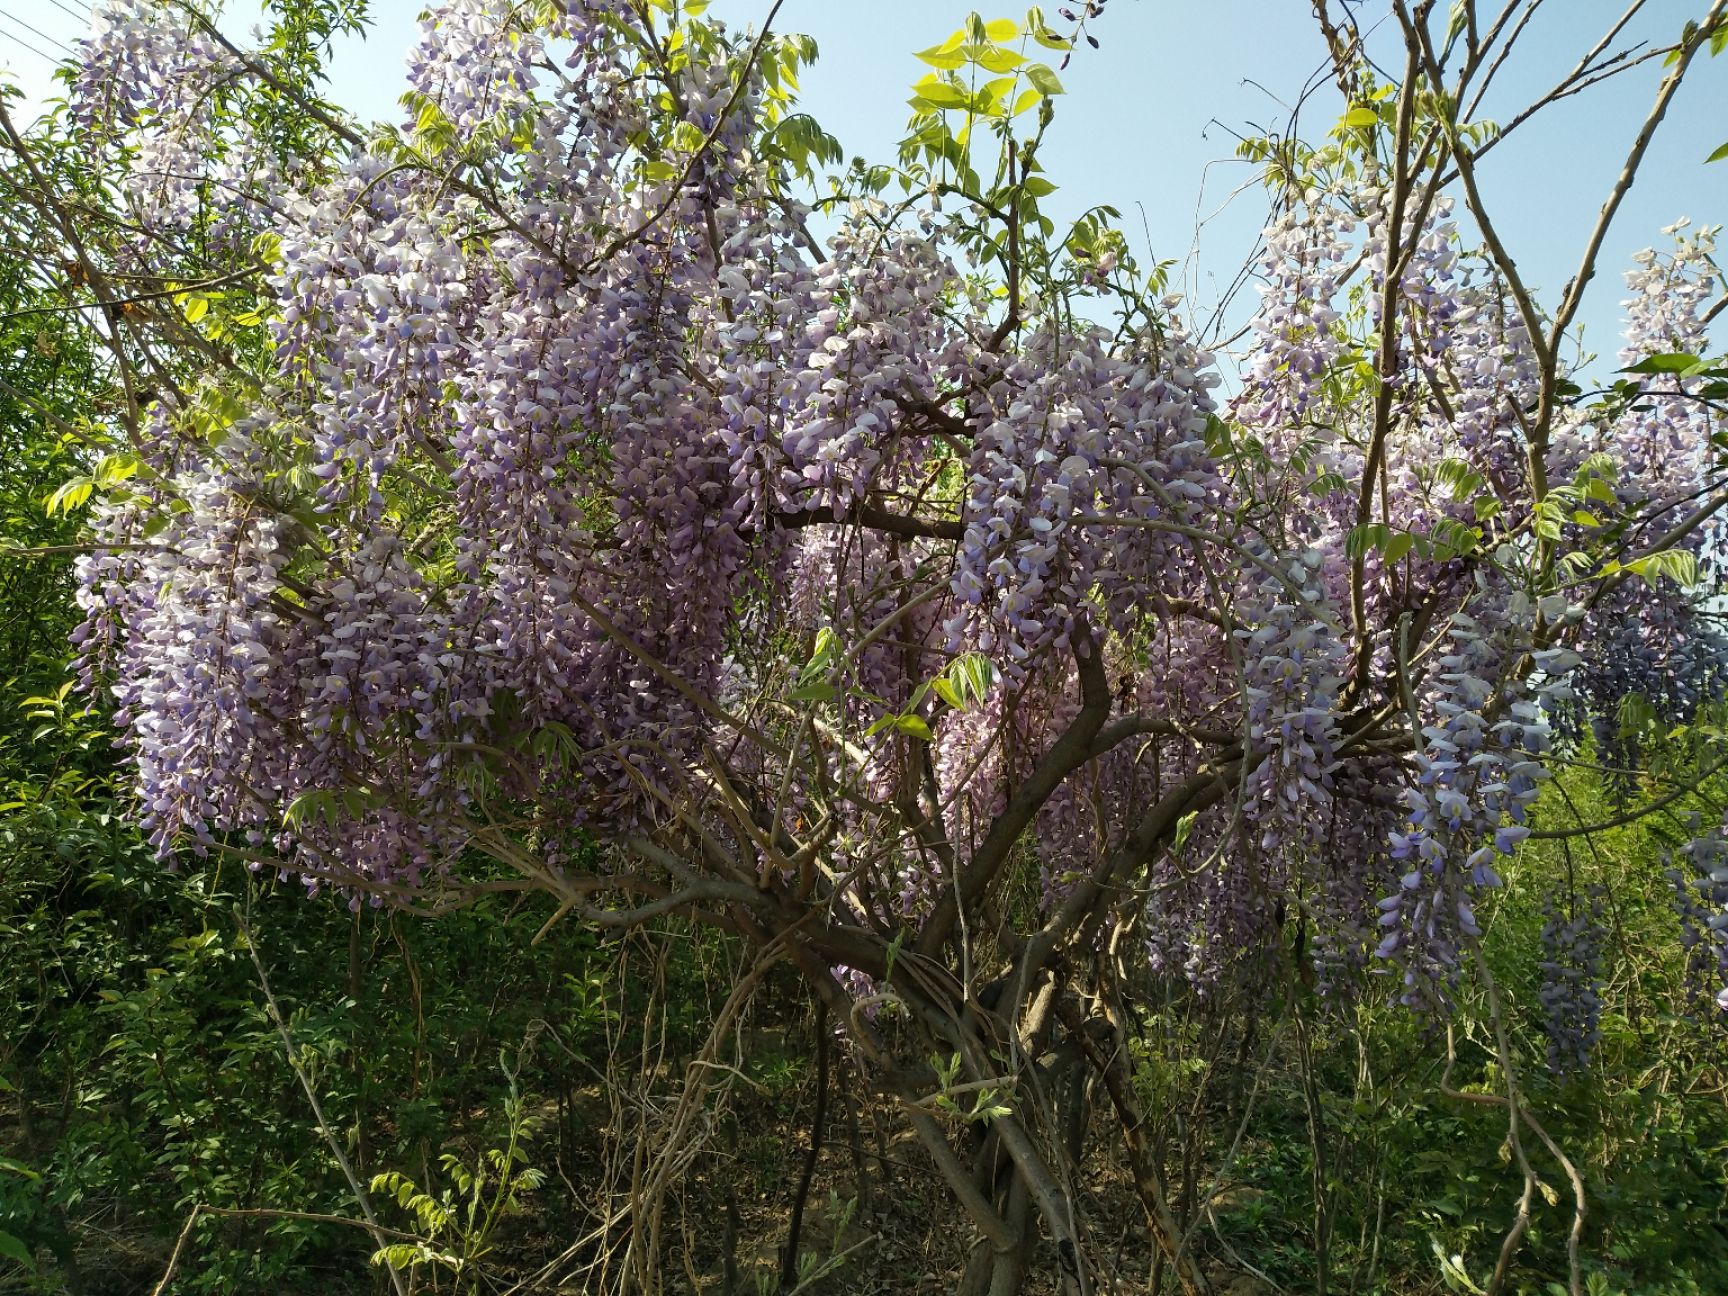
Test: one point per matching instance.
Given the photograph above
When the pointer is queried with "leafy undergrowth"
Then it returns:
(145, 1077)
(142, 1077)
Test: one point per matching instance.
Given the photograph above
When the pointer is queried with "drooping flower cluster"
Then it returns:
(1477, 777)
(1427, 291)
(1701, 900)
(1297, 334)
(202, 657)
(1083, 463)
(1456, 457)
(1293, 662)
(151, 80)
(472, 68)
(1571, 992)
(1491, 369)
(1662, 445)
(1652, 659)
(1657, 654)
(859, 374)
(579, 490)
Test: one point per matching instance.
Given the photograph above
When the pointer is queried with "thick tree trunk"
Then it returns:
(992, 1270)
(1148, 1177)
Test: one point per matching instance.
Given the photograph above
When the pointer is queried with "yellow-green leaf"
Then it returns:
(1043, 79)
(942, 56)
(914, 726)
(940, 93)
(1000, 60)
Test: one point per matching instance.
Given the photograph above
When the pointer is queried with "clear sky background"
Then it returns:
(1148, 123)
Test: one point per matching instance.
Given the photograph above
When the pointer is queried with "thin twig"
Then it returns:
(361, 1196)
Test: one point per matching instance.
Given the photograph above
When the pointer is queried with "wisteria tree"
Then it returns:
(537, 495)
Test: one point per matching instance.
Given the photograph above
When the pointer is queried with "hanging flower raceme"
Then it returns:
(877, 356)
(1426, 263)
(1700, 885)
(1292, 665)
(1571, 993)
(295, 630)
(1652, 652)
(1491, 372)
(1477, 776)
(1086, 469)
(1296, 335)
(194, 638)
(1662, 446)
(159, 93)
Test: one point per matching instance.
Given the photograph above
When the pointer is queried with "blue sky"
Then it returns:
(1147, 123)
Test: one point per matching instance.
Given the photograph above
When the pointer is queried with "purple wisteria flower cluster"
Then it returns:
(1571, 993)
(576, 493)
(1701, 899)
